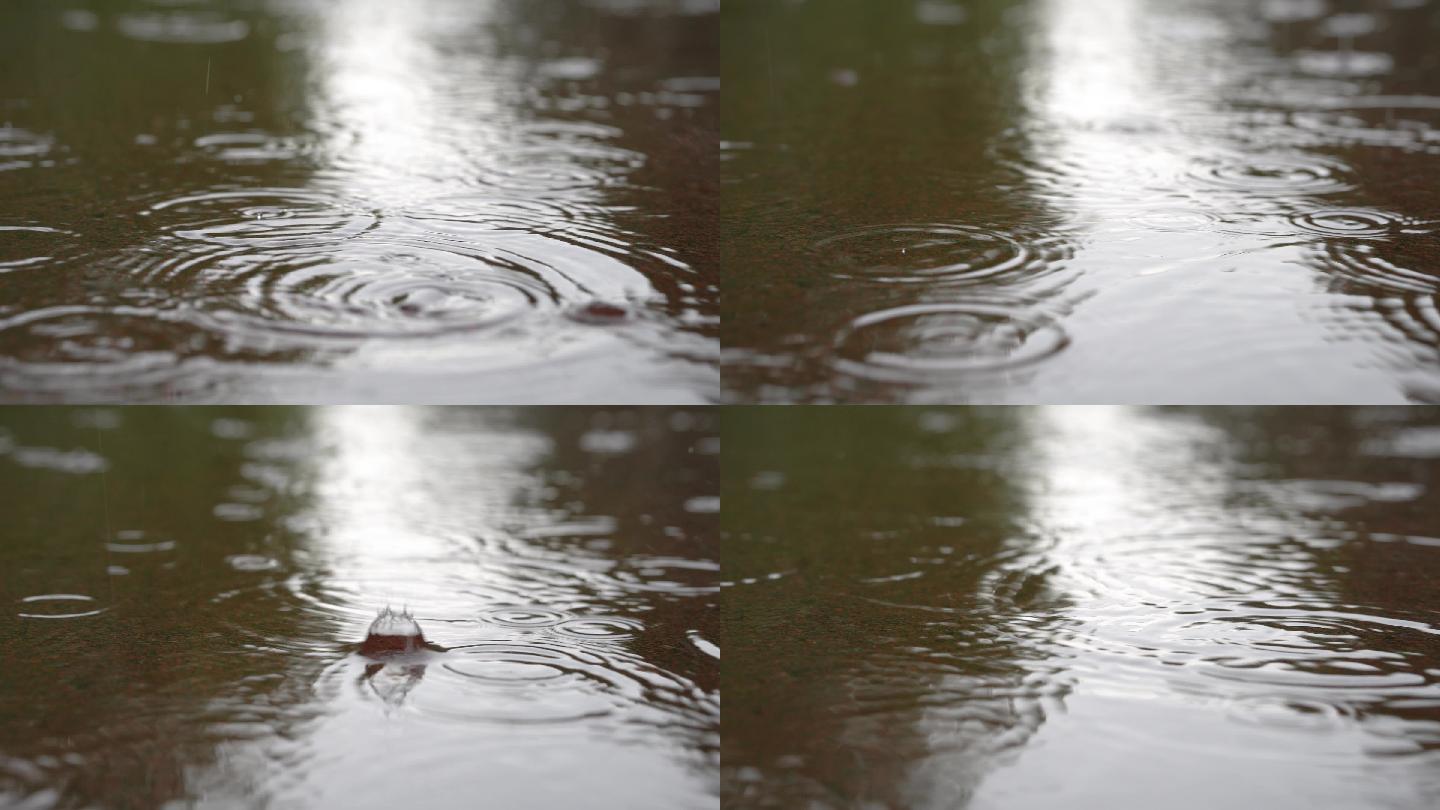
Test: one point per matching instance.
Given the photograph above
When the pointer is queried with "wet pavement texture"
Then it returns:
(1081, 607)
(186, 594)
(1048, 201)
(510, 201)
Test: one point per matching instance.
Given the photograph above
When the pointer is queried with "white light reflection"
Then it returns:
(1110, 471)
(398, 510)
(1098, 89)
(421, 117)
(1096, 75)
(1158, 564)
(391, 131)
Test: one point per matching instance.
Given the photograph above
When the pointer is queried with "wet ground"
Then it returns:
(1081, 608)
(186, 591)
(1201, 201)
(315, 201)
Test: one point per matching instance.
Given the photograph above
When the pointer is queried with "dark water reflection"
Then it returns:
(186, 592)
(292, 200)
(1082, 607)
(1112, 201)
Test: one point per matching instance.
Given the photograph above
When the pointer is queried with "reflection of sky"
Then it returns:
(1127, 113)
(1099, 87)
(1104, 467)
(373, 75)
(387, 501)
(383, 112)
(1165, 575)
(1098, 73)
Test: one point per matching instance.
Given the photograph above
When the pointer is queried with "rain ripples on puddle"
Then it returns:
(1055, 201)
(184, 627)
(1082, 607)
(317, 201)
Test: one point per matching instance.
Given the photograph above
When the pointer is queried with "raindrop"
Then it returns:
(32, 246)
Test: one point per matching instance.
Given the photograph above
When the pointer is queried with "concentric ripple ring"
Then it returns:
(922, 341)
(920, 253)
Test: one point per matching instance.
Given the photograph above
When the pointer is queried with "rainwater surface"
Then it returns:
(1087, 608)
(492, 201)
(1109, 201)
(185, 594)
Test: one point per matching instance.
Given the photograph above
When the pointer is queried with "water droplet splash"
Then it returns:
(393, 633)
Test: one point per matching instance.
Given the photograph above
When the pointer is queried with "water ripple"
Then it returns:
(33, 245)
(1263, 224)
(539, 171)
(301, 265)
(315, 285)
(923, 253)
(338, 608)
(1280, 174)
(21, 148)
(1414, 318)
(129, 346)
(1238, 606)
(386, 290)
(1179, 219)
(262, 217)
(524, 616)
(920, 342)
(247, 147)
(540, 683)
(136, 541)
(1374, 265)
(60, 606)
(600, 628)
(470, 214)
(252, 562)
(1354, 222)
(1409, 123)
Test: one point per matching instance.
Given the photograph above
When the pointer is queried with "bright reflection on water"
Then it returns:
(494, 201)
(188, 591)
(1082, 607)
(1109, 201)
